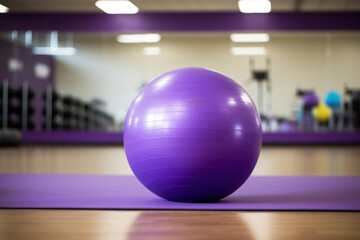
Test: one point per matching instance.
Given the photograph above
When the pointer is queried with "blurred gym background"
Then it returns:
(59, 86)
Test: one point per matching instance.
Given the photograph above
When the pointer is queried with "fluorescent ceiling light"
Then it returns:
(254, 6)
(139, 38)
(65, 51)
(3, 9)
(253, 37)
(248, 51)
(117, 6)
(151, 51)
(15, 65)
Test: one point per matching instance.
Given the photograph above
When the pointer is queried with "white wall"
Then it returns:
(112, 71)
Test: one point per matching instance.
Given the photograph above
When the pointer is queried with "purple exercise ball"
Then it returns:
(310, 100)
(192, 135)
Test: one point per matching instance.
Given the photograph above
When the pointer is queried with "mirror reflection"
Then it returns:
(86, 81)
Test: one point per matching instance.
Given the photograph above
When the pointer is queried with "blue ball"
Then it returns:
(333, 99)
(299, 113)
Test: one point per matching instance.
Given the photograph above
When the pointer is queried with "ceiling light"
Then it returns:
(15, 65)
(117, 7)
(151, 51)
(3, 9)
(64, 51)
(254, 37)
(254, 6)
(248, 51)
(139, 38)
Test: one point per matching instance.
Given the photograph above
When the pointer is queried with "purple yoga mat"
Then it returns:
(330, 193)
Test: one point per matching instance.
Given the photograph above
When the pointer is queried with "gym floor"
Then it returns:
(109, 224)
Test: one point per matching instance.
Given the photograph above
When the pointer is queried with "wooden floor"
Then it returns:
(290, 160)
(104, 225)
(158, 225)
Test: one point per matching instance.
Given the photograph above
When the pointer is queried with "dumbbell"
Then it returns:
(18, 92)
(12, 92)
(18, 109)
(55, 95)
(55, 110)
(30, 94)
(54, 126)
(70, 124)
(11, 108)
(67, 100)
(18, 124)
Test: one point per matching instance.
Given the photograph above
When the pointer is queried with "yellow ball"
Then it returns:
(321, 112)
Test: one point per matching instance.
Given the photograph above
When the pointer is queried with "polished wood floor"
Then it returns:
(164, 225)
(289, 160)
(108, 225)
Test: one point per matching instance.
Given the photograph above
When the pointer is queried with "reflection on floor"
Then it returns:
(131, 225)
(294, 160)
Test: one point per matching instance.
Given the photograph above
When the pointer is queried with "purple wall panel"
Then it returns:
(6, 52)
(312, 137)
(10, 50)
(177, 22)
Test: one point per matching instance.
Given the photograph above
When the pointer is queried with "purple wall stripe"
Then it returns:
(178, 22)
(312, 137)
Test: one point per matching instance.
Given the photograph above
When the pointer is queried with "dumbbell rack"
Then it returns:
(349, 113)
(53, 110)
(5, 102)
(262, 78)
(8, 136)
(24, 106)
(304, 124)
(68, 113)
(337, 114)
(23, 114)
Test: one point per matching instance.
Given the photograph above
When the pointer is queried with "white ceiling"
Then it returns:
(179, 5)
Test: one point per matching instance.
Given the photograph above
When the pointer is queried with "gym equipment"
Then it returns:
(8, 136)
(351, 115)
(192, 135)
(262, 78)
(299, 108)
(273, 124)
(333, 99)
(302, 92)
(18, 103)
(321, 112)
(52, 109)
(298, 113)
(288, 126)
(27, 108)
(70, 113)
(310, 100)
(18, 93)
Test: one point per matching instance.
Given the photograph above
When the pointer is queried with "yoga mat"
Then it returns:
(330, 193)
